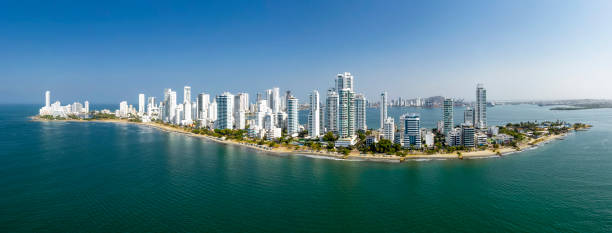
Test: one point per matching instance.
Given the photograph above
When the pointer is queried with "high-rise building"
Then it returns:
(468, 116)
(169, 105)
(383, 108)
(123, 109)
(412, 130)
(86, 106)
(313, 117)
(344, 81)
(292, 112)
(321, 119)
(287, 97)
(448, 115)
(480, 109)
(468, 135)
(202, 107)
(187, 106)
(225, 108)
(150, 105)
(389, 129)
(141, 103)
(360, 113)
(47, 99)
(212, 111)
(241, 102)
(346, 113)
(331, 111)
(274, 99)
(240, 119)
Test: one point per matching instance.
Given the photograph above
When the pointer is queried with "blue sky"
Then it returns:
(108, 51)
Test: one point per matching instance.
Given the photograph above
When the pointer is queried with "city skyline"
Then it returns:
(425, 49)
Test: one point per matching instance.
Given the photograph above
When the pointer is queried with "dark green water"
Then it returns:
(104, 177)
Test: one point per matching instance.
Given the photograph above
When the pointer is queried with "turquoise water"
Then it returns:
(105, 177)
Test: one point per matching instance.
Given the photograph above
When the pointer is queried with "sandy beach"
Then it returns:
(353, 156)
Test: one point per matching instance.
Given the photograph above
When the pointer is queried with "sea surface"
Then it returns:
(108, 177)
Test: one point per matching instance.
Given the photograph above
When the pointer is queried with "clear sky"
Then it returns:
(108, 51)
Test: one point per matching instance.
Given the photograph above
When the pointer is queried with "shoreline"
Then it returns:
(353, 156)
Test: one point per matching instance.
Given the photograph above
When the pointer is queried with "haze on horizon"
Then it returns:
(110, 51)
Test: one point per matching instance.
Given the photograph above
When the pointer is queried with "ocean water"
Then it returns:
(106, 177)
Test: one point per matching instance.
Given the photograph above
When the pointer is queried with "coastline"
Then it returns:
(353, 156)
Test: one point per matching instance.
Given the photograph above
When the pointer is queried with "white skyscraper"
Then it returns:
(313, 117)
(187, 106)
(360, 113)
(47, 99)
(123, 109)
(203, 102)
(480, 109)
(389, 129)
(150, 105)
(346, 113)
(331, 111)
(411, 130)
(240, 119)
(212, 111)
(225, 108)
(344, 81)
(292, 118)
(383, 108)
(169, 105)
(141, 103)
(86, 106)
(275, 101)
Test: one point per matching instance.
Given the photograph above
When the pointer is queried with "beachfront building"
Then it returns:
(468, 136)
(411, 130)
(346, 113)
(448, 117)
(203, 101)
(186, 119)
(225, 108)
(141, 104)
(389, 129)
(313, 116)
(169, 105)
(360, 113)
(331, 111)
(480, 109)
(292, 117)
(383, 109)
(468, 116)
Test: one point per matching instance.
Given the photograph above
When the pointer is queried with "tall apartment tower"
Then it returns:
(202, 106)
(292, 116)
(389, 129)
(383, 108)
(225, 109)
(344, 81)
(331, 111)
(360, 112)
(141, 103)
(448, 116)
(346, 113)
(187, 105)
(468, 116)
(313, 117)
(480, 109)
(47, 99)
(412, 130)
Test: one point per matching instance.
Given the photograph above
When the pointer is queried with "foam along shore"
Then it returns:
(353, 156)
